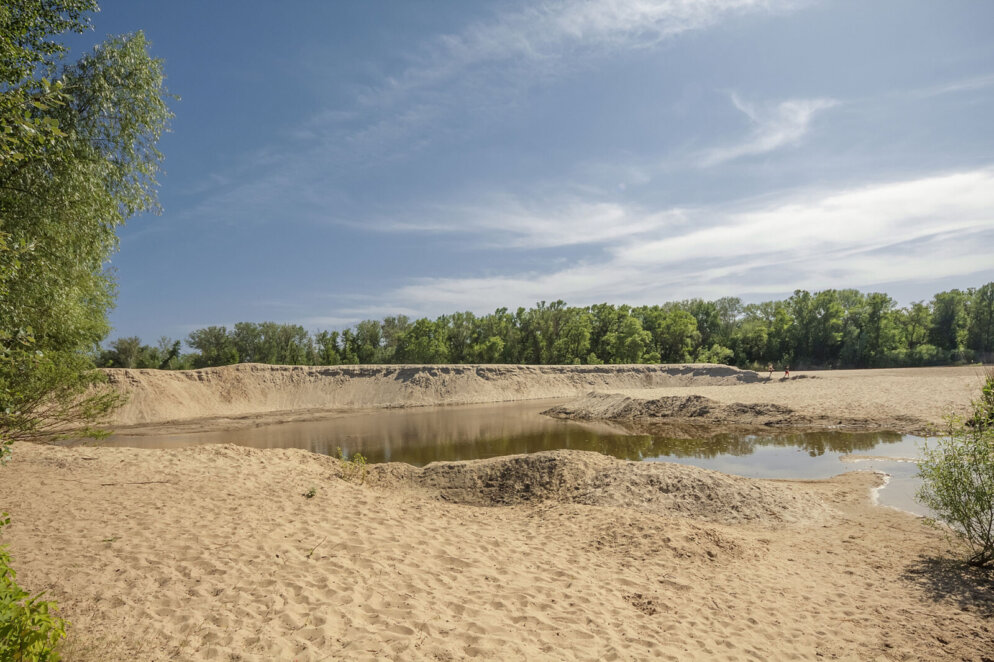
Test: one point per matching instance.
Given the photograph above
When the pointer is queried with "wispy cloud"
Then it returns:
(551, 35)
(921, 229)
(481, 69)
(782, 125)
(956, 86)
(513, 222)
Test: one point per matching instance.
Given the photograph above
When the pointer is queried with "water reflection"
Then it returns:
(423, 435)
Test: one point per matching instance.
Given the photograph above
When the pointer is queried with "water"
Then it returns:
(468, 432)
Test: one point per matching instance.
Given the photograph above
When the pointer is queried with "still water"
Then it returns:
(466, 432)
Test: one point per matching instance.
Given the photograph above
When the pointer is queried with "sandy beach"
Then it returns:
(216, 553)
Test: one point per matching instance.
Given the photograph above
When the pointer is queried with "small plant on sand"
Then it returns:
(29, 632)
(354, 468)
(309, 494)
(958, 477)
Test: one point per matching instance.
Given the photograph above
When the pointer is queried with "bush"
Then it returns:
(354, 469)
(29, 632)
(958, 477)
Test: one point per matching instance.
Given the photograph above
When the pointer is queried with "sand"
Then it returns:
(904, 400)
(246, 394)
(215, 553)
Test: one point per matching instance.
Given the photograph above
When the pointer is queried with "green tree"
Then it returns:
(393, 329)
(628, 342)
(216, 347)
(980, 332)
(915, 322)
(571, 343)
(677, 337)
(949, 320)
(73, 167)
(327, 348)
(424, 342)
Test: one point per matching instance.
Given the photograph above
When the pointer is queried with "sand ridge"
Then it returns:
(910, 400)
(237, 393)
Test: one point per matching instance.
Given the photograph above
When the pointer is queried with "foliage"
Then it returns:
(53, 390)
(29, 631)
(77, 158)
(353, 469)
(958, 477)
(831, 328)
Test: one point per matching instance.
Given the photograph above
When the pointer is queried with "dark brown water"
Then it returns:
(465, 432)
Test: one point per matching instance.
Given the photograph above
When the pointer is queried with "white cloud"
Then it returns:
(775, 127)
(553, 34)
(914, 230)
(508, 221)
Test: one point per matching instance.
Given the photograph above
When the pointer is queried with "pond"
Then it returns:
(422, 435)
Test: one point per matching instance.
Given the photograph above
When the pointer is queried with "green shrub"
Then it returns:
(354, 469)
(958, 477)
(29, 632)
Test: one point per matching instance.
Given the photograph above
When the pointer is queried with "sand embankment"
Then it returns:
(253, 390)
(908, 400)
(215, 553)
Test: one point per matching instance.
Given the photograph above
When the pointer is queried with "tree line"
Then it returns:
(831, 329)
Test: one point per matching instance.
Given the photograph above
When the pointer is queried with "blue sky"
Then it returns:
(331, 162)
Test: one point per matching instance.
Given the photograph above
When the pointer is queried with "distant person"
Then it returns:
(786, 372)
(769, 368)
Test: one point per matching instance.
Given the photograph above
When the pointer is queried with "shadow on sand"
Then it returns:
(943, 579)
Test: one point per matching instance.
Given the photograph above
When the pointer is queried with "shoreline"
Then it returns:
(217, 552)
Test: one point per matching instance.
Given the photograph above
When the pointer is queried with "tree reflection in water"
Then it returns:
(430, 434)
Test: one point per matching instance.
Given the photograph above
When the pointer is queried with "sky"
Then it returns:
(331, 162)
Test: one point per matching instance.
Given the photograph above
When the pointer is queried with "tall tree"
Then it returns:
(73, 167)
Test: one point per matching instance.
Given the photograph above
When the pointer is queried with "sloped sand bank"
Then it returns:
(242, 392)
(214, 553)
(903, 400)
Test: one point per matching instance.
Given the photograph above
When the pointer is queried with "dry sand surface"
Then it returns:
(214, 553)
(902, 400)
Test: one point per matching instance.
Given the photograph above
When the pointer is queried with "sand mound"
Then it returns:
(592, 479)
(684, 416)
(615, 407)
(696, 416)
(246, 390)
